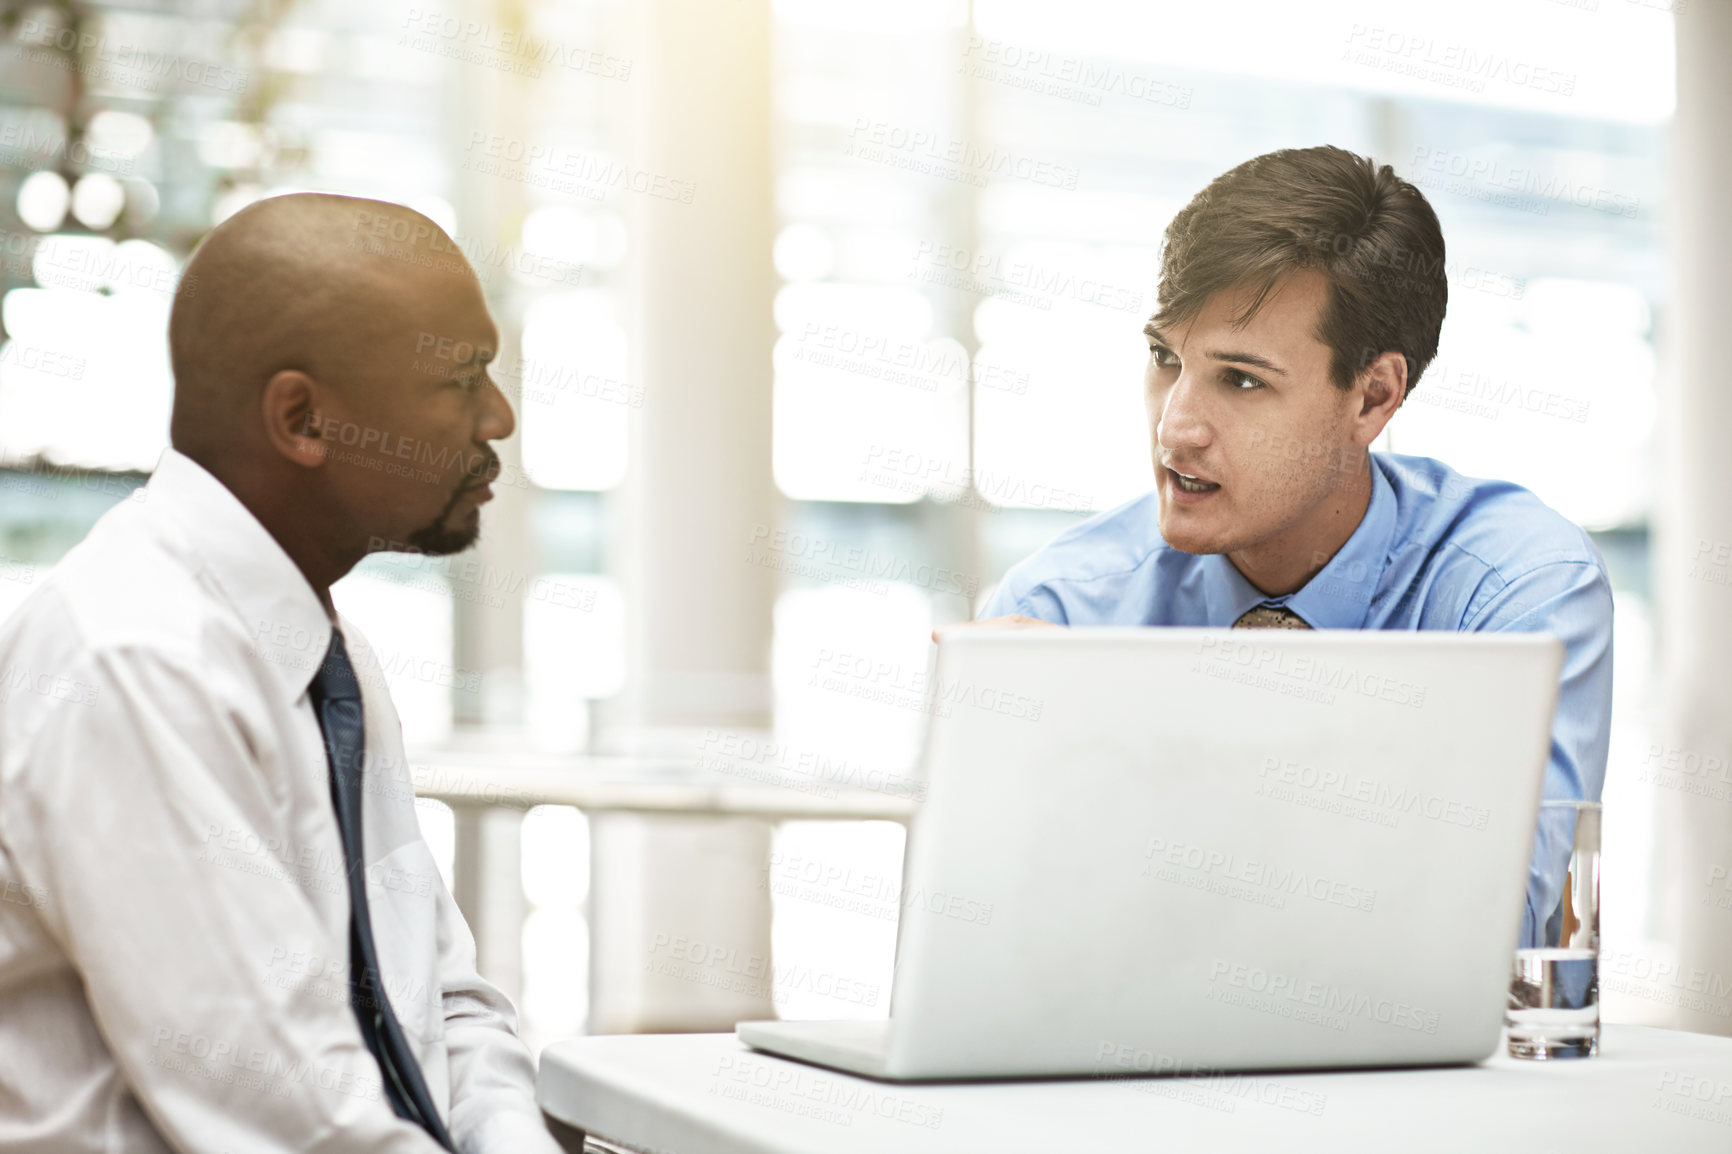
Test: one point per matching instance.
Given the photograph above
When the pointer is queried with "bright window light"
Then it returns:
(1554, 392)
(867, 406)
(43, 199)
(73, 354)
(572, 391)
(409, 627)
(97, 199)
(573, 651)
(833, 930)
(1611, 62)
(1059, 419)
(850, 668)
(439, 828)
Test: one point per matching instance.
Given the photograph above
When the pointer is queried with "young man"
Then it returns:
(222, 929)
(1300, 300)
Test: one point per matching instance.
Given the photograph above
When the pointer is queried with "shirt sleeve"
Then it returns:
(493, 1107)
(1571, 601)
(144, 813)
(1015, 596)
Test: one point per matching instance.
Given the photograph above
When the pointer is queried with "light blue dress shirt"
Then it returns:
(1435, 550)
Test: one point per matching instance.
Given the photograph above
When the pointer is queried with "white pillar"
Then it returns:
(488, 889)
(487, 633)
(700, 479)
(1694, 521)
(487, 629)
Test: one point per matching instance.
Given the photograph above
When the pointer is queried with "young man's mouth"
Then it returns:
(1184, 485)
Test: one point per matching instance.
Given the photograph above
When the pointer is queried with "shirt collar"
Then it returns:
(1338, 596)
(285, 620)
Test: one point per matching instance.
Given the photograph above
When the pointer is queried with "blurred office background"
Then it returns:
(818, 315)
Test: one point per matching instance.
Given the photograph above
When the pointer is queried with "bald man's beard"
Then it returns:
(439, 538)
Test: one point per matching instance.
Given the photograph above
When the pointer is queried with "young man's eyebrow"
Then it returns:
(1248, 359)
(1154, 334)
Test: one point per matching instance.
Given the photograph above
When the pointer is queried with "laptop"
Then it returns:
(1192, 850)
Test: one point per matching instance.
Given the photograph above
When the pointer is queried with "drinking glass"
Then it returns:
(1554, 995)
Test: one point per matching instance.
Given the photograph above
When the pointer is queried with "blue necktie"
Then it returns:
(336, 696)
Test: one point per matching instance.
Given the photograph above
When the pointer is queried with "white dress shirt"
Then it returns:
(174, 919)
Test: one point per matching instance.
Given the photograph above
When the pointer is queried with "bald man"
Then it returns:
(221, 929)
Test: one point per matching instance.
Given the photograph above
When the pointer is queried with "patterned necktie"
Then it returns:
(336, 696)
(1269, 617)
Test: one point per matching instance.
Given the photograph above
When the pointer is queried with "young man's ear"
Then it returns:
(293, 423)
(1380, 389)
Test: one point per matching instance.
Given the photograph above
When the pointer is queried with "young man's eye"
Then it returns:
(1164, 357)
(1243, 381)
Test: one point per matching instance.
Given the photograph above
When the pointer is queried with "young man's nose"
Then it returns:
(1183, 423)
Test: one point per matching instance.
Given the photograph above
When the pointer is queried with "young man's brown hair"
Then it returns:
(1372, 234)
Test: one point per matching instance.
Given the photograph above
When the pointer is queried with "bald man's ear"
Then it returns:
(1382, 386)
(294, 424)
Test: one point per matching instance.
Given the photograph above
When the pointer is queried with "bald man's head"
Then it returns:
(291, 282)
(334, 359)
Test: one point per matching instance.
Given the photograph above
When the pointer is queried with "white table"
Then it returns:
(1649, 1090)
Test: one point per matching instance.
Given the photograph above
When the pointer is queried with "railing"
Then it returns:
(489, 793)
